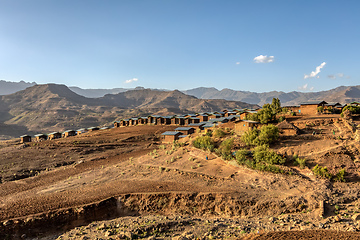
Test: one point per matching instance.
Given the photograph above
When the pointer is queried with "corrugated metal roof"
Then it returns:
(171, 133)
(183, 128)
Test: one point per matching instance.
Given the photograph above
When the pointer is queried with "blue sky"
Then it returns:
(243, 45)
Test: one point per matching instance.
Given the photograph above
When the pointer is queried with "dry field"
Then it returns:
(125, 183)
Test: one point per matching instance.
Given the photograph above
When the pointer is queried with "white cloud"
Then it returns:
(131, 80)
(332, 76)
(264, 59)
(305, 88)
(340, 75)
(316, 72)
(237, 63)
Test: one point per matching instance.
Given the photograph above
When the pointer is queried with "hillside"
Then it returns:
(52, 107)
(340, 94)
(124, 183)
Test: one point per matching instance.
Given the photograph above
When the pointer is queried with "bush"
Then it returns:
(301, 162)
(340, 176)
(250, 136)
(266, 135)
(240, 155)
(225, 149)
(219, 133)
(321, 172)
(264, 154)
(204, 142)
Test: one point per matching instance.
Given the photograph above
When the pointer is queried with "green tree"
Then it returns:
(266, 135)
(275, 105)
(225, 149)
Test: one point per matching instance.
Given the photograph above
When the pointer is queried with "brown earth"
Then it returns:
(127, 172)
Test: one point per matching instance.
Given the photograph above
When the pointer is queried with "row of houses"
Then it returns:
(56, 135)
(186, 119)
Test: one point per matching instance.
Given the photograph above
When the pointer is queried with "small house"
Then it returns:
(153, 119)
(54, 135)
(241, 126)
(93, 129)
(69, 133)
(124, 122)
(219, 120)
(160, 121)
(203, 117)
(143, 120)
(214, 115)
(311, 108)
(287, 129)
(81, 131)
(167, 120)
(170, 136)
(40, 137)
(133, 121)
(25, 138)
(197, 125)
(116, 124)
(185, 130)
(177, 120)
(190, 120)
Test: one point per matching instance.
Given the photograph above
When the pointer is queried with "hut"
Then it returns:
(185, 130)
(311, 108)
(177, 120)
(203, 117)
(241, 126)
(170, 136)
(153, 119)
(93, 129)
(116, 124)
(190, 120)
(167, 120)
(287, 129)
(143, 120)
(124, 122)
(214, 115)
(133, 121)
(81, 131)
(69, 133)
(40, 137)
(197, 125)
(25, 138)
(54, 135)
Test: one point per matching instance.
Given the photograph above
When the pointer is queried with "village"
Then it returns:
(191, 123)
(149, 163)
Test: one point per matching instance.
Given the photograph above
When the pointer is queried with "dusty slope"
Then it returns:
(124, 171)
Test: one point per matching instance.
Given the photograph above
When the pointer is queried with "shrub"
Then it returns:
(340, 176)
(321, 172)
(225, 149)
(240, 155)
(250, 136)
(218, 133)
(264, 154)
(301, 162)
(204, 142)
(266, 135)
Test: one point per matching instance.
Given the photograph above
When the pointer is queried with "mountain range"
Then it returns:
(342, 94)
(52, 107)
